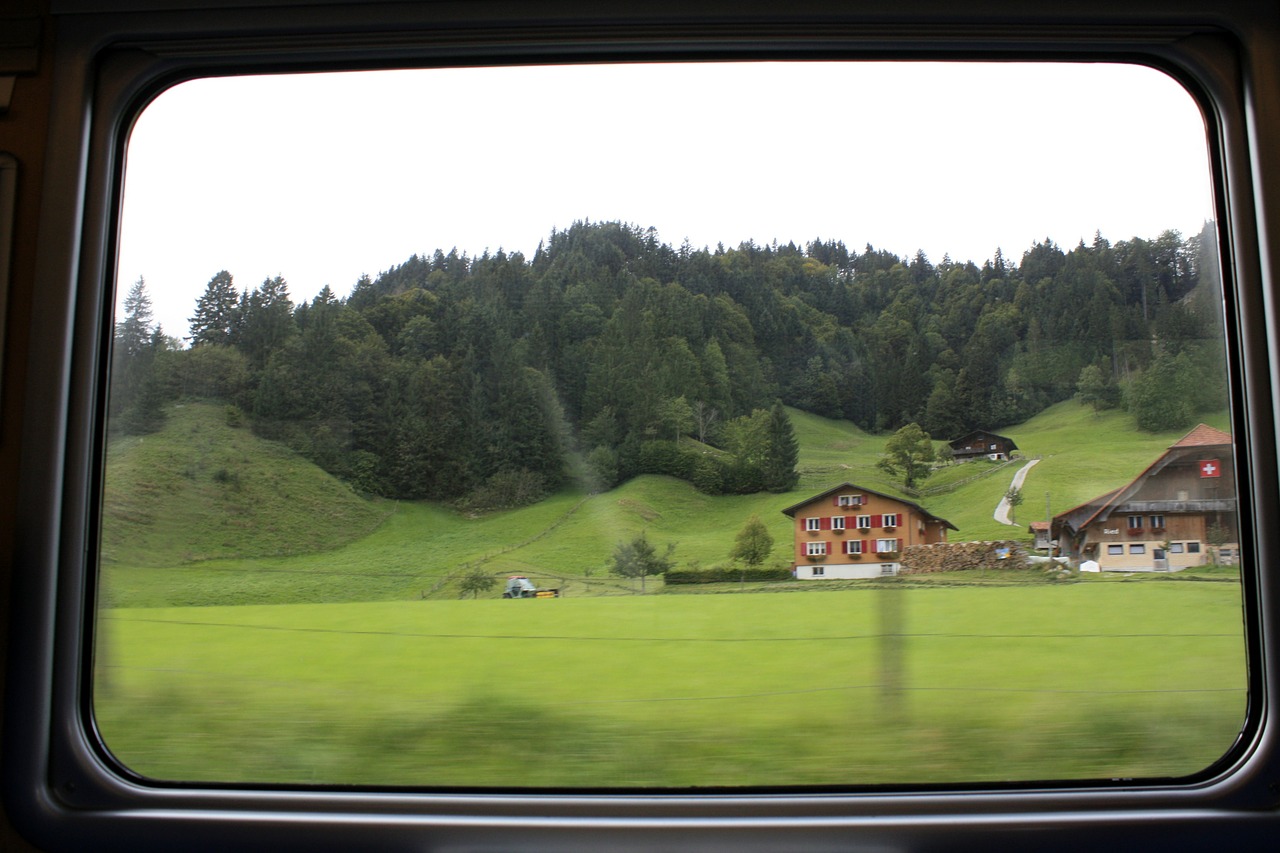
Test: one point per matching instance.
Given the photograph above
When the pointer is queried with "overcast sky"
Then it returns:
(320, 178)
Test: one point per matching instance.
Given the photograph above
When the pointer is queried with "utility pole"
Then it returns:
(1048, 519)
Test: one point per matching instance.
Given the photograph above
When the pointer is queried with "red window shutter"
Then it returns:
(877, 521)
(826, 523)
(849, 522)
(899, 545)
(835, 501)
(864, 545)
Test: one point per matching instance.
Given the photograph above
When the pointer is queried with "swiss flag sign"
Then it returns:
(1210, 468)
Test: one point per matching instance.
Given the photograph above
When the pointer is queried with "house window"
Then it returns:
(891, 520)
(1137, 549)
(813, 524)
(886, 568)
(819, 571)
(837, 522)
(864, 522)
(1175, 548)
(1157, 522)
(1115, 550)
(850, 500)
(853, 546)
(816, 549)
(1193, 547)
(1135, 522)
(886, 546)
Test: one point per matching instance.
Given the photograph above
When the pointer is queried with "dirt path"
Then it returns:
(1003, 509)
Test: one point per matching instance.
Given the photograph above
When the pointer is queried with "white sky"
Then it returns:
(322, 177)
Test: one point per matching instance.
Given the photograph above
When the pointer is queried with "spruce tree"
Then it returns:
(217, 312)
(783, 452)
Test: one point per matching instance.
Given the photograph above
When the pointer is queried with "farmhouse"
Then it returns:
(1179, 512)
(982, 443)
(852, 532)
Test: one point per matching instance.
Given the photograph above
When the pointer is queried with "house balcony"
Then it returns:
(1165, 507)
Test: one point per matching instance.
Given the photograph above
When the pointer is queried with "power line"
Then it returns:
(1066, 691)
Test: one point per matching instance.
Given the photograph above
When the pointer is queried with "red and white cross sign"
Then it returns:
(1210, 468)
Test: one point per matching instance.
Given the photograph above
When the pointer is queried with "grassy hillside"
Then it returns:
(275, 529)
(201, 489)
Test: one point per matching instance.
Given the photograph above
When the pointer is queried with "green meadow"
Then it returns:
(261, 622)
(879, 686)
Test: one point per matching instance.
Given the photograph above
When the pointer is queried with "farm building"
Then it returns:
(852, 532)
(1043, 535)
(982, 444)
(1179, 512)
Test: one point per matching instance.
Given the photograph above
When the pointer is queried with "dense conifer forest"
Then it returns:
(493, 380)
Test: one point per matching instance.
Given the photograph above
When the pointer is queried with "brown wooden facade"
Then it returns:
(852, 532)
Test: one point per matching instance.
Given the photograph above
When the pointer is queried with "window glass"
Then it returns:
(476, 428)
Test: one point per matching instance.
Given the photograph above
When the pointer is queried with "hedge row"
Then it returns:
(725, 574)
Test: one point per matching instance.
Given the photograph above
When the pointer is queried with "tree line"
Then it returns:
(609, 353)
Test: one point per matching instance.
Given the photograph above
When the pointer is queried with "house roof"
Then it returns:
(972, 433)
(1037, 526)
(791, 510)
(1202, 436)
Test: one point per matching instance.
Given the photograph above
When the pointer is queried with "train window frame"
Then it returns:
(61, 791)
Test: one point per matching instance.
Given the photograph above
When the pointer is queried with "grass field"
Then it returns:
(261, 622)
(1087, 680)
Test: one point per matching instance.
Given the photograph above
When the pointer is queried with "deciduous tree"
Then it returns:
(908, 454)
(753, 543)
(639, 559)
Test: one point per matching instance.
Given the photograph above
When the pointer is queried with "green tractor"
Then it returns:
(519, 586)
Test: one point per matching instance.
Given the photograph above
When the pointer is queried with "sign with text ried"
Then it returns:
(1210, 468)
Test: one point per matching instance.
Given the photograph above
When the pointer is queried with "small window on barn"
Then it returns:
(1157, 522)
(1135, 522)
(1175, 548)
(1137, 549)
(1115, 550)
(1193, 547)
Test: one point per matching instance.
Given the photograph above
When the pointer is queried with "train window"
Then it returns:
(487, 432)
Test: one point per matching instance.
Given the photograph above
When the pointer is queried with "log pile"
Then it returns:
(958, 556)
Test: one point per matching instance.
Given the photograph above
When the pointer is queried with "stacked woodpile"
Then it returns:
(958, 556)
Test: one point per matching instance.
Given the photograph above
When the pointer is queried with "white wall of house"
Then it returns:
(1140, 556)
(845, 571)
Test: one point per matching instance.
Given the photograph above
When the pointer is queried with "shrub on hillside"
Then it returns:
(508, 490)
(726, 574)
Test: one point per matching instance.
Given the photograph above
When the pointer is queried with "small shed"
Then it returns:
(1041, 531)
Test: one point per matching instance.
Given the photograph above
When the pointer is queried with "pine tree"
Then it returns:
(135, 396)
(783, 452)
(217, 312)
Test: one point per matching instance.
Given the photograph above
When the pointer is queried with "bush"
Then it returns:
(508, 490)
(667, 457)
(726, 574)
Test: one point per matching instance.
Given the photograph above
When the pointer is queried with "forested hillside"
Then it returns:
(609, 353)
